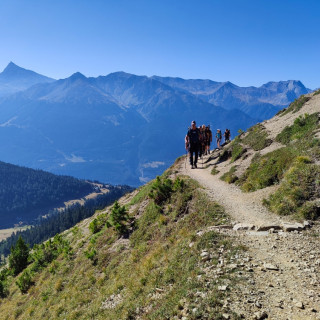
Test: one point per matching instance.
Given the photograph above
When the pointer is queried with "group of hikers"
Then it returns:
(198, 141)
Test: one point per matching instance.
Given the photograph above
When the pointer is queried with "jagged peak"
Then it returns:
(12, 67)
(77, 75)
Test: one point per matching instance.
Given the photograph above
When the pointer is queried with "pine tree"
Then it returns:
(118, 218)
(18, 259)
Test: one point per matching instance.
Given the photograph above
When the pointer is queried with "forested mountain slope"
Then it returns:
(27, 193)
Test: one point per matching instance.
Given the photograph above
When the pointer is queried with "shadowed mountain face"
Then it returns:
(120, 128)
(14, 78)
(260, 103)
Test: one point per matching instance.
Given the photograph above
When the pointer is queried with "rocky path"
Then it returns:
(281, 269)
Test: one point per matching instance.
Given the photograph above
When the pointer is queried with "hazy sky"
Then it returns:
(247, 42)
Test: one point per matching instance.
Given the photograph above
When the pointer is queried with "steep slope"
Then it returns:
(14, 78)
(159, 268)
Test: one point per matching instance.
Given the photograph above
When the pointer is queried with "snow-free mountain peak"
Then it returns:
(14, 78)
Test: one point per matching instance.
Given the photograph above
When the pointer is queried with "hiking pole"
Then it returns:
(185, 162)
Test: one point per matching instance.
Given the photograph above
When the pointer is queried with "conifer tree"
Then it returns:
(18, 259)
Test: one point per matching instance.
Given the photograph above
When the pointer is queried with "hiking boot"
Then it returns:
(195, 165)
(192, 167)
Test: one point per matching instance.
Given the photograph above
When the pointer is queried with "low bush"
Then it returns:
(214, 171)
(257, 138)
(229, 176)
(24, 282)
(302, 128)
(267, 170)
(237, 150)
(161, 190)
(300, 186)
(98, 223)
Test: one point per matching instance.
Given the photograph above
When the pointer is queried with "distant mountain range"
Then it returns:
(14, 78)
(120, 128)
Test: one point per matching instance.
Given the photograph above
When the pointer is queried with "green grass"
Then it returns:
(302, 128)
(214, 171)
(267, 170)
(298, 190)
(154, 271)
(229, 176)
(296, 105)
(316, 92)
(237, 149)
(257, 138)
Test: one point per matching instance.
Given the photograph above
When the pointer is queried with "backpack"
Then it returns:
(194, 135)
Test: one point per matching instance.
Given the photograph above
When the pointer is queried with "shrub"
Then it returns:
(161, 190)
(45, 253)
(24, 282)
(310, 210)
(3, 289)
(257, 138)
(91, 255)
(118, 218)
(3, 282)
(229, 176)
(98, 223)
(302, 127)
(214, 171)
(237, 150)
(301, 184)
(18, 259)
(267, 170)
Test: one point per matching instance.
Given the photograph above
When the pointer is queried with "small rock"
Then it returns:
(299, 305)
(306, 224)
(243, 226)
(258, 304)
(222, 288)
(225, 316)
(270, 266)
(261, 315)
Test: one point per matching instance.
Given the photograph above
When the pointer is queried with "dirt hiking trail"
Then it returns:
(281, 268)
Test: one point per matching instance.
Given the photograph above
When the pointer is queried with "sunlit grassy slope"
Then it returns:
(154, 271)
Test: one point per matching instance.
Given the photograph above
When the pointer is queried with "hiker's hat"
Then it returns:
(193, 122)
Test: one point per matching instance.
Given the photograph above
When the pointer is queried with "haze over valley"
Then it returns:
(120, 128)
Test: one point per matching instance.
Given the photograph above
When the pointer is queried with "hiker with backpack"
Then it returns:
(227, 136)
(218, 138)
(208, 139)
(192, 141)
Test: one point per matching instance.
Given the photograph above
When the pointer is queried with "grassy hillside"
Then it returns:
(291, 163)
(142, 259)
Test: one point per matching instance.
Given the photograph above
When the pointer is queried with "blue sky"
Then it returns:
(247, 42)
